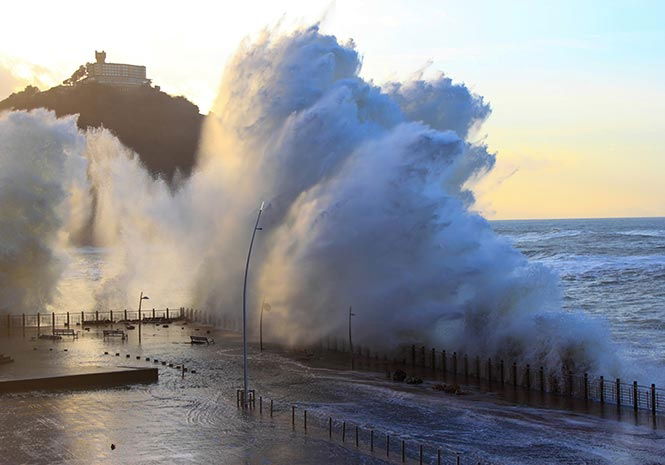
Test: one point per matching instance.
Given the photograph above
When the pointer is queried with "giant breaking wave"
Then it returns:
(369, 206)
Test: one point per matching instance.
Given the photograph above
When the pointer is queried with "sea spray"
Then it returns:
(368, 206)
(43, 194)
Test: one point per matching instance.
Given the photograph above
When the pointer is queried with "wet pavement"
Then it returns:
(196, 419)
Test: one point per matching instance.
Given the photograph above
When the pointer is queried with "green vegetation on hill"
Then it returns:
(162, 129)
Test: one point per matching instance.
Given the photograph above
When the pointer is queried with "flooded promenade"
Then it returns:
(195, 419)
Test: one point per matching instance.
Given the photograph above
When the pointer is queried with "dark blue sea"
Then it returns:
(613, 269)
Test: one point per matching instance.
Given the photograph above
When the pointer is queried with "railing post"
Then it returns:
(111, 316)
(618, 384)
(68, 319)
(542, 379)
(39, 323)
(635, 397)
(443, 362)
(343, 431)
(293, 416)
(82, 318)
(653, 399)
(96, 315)
(329, 427)
(433, 359)
(586, 386)
(125, 314)
(502, 378)
(53, 322)
(153, 313)
(514, 374)
(167, 313)
(601, 386)
(23, 322)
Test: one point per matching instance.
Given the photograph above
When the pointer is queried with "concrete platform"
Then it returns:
(88, 378)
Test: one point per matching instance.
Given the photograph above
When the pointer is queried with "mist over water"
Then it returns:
(368, 205)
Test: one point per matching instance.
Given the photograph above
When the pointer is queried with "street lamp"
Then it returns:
(266, 307)
(141, 299)
(244, 310)
(351, 340)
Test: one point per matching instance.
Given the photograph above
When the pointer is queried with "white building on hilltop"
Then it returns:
(114, 74)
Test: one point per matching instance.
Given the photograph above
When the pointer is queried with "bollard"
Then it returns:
(293, 416)
(635, 395)
(371, 440)
(167, 313)
(96, 315)
(455, 363)
(330, 427)
(403, 455)
(343, 431)
(618, 393)
(542, 379)
(527, 375)
(125, 314)
(501, 373)
(356, 435)
(601, 386)
(653, 399)
(270, 408)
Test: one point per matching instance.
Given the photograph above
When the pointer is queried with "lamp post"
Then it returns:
(244, 310)
(351, 340)
(266, 307)
(141, 299)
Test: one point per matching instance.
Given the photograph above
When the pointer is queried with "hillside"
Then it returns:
(162, 129)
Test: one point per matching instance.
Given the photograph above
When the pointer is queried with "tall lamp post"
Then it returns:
(353, 367)
(244, 310)
(266, 307)
(141, 299)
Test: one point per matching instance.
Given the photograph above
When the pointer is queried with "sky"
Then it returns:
(577, 88)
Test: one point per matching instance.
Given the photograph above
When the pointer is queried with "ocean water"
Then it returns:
(613, 269)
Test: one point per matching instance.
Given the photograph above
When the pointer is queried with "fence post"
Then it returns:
(653, 399)
(601, 386)
(618, 382)
(635, 395)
